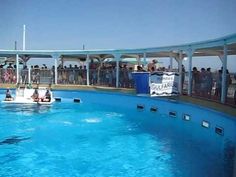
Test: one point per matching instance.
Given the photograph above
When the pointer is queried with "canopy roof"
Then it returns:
(205, 48)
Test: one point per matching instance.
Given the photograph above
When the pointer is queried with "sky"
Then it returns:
(116, 24)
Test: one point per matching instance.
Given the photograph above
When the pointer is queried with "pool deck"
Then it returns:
(230, 110)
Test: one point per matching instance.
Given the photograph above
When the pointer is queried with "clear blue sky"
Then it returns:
(99, 24)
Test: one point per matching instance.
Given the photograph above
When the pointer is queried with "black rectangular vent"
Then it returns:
(77, 100)
(140, 106)
(58, 99)
(219, 130)
(153, 109)
(172, 114)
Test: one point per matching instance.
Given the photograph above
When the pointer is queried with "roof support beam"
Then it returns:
(25, 58)
(210, 52)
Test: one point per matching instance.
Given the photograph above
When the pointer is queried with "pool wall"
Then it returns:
(220, 123)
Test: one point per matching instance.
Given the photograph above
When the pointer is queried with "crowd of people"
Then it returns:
(104, 74)
(203, 80)
(8, 75)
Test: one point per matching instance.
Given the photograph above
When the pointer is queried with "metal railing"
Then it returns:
(212, 90)
(107, 77)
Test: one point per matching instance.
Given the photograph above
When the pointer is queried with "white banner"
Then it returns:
(164, 84)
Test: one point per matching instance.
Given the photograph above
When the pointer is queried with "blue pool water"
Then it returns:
(104, 136)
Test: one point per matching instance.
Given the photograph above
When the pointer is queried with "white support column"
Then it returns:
(180, 59)
(17, 69)
(55, 57)
(29, 75)
(87, 68)
(224, 65)
(117, 59)
(190, 56)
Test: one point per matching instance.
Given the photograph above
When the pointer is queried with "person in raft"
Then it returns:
(35, 95)
(8, 95)
(47, 97)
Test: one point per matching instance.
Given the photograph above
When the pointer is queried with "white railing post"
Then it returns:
(55, 57)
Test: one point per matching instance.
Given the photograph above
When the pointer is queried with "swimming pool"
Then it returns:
(115, 135)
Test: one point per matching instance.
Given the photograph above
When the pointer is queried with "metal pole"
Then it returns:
(224, 65)
(23, 37)
(15, 45)
(87, 68)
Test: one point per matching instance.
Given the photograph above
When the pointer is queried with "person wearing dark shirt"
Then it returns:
(140, 69)
(47, 97)
(8, 95)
